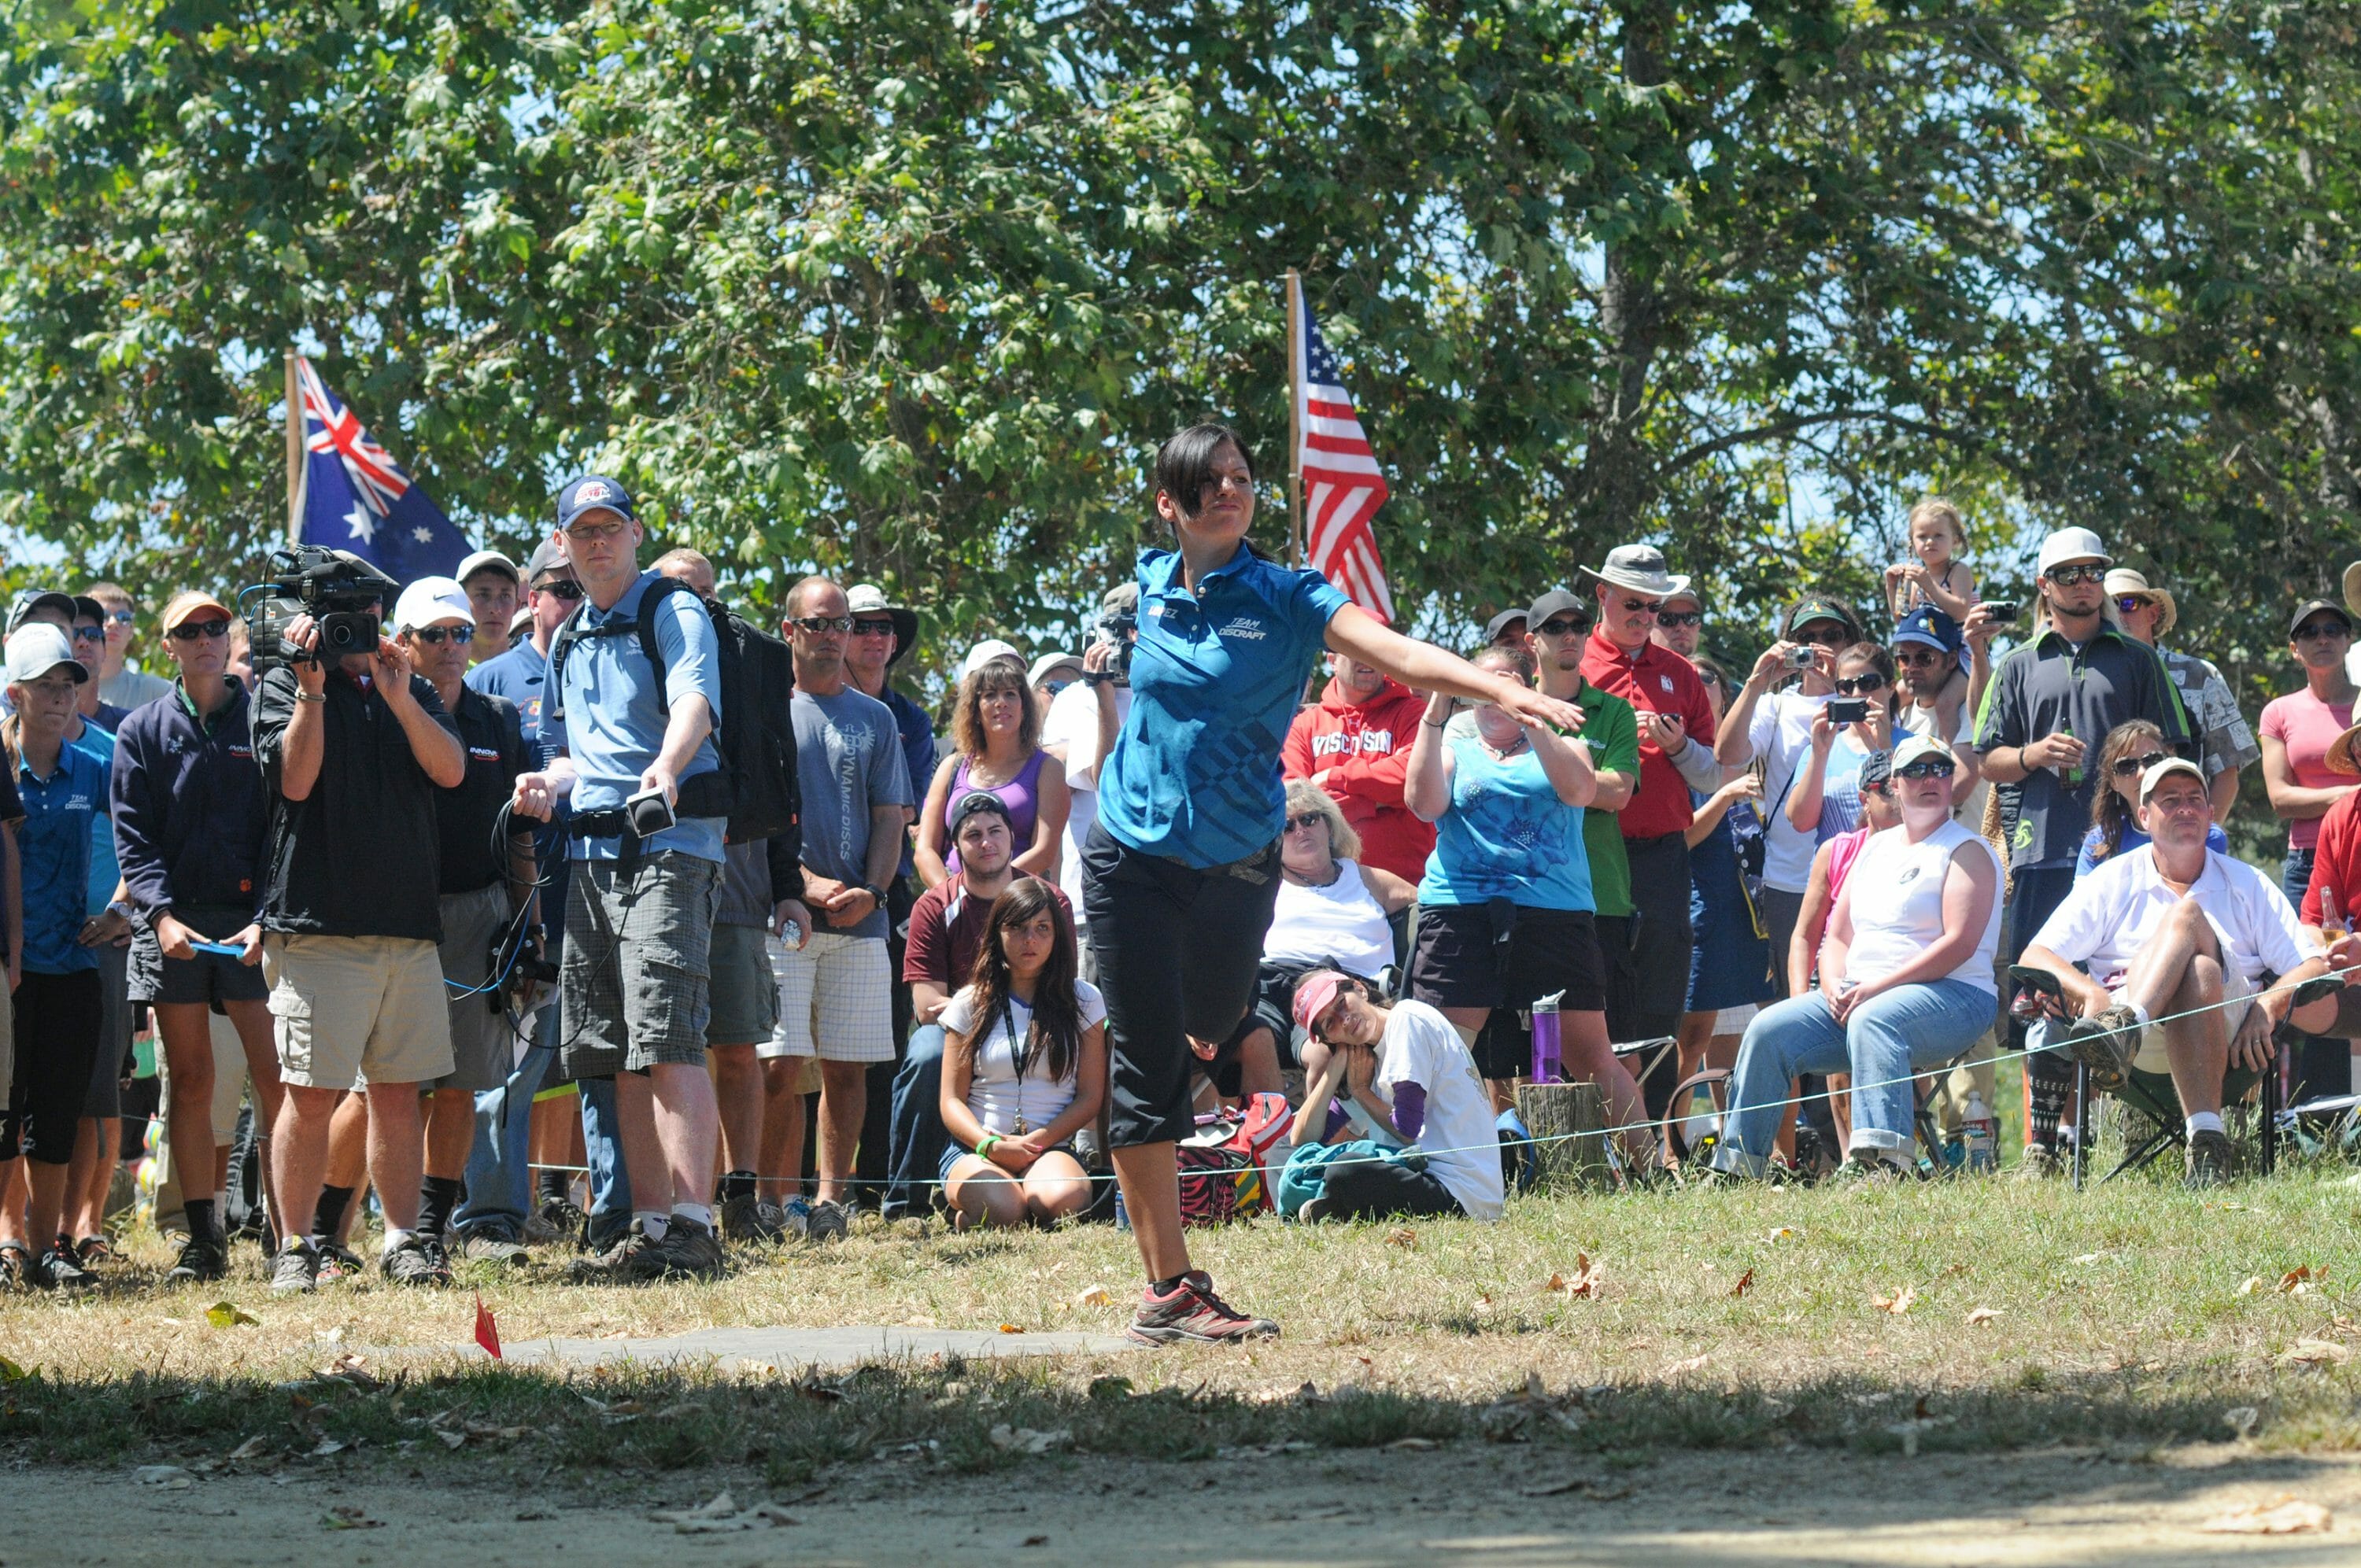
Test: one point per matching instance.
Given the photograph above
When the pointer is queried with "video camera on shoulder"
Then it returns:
(339, 591)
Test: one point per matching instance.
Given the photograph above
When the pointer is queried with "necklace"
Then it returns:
(1300, 880)
(1503, 753)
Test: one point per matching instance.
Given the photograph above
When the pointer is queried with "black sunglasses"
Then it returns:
(1562, 627)
(861, 627)
(1308, 819)
(1926, 768)
(434, 636)
(567, 588)
(190, 630)
(1680, 617)
(816, 623)
(2321, 630)
(2067, 576)
(1862, 685)
(2132, 767)
(90, 633)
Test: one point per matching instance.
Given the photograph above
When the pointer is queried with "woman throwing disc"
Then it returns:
(1181, 869)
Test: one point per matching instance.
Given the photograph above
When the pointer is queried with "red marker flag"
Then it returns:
(488, 1332)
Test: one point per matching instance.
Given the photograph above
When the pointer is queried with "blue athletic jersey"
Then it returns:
(53, 846)
(1507, 835)
(105, 871)
(614, 724)
(1215, 679)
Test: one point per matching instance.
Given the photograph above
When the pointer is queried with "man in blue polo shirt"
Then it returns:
(635, 986)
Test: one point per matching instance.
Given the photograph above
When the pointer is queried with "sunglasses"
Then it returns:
(121, 616)
(1927, 768)
(434, 636)
(1054, 687)
(1561, 627)
(90, 633)
(1651, 607)
(2321, 630)
(1862, 685)
(1680, 617)
(1913, 657)
(2132, 767)
(566, 589)
(2068, 577)
(861, 627)
(1309, 819)
(1827, 637)
(190, 630)
(819, 623)
(2130, 604)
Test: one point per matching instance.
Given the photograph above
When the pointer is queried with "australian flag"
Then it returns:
(356, 497)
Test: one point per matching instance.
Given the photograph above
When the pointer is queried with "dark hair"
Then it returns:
(1056, 1016)
(2109, 810)
(1003, 674)
(1184, 465)
(1709, 669)
(1881, 659)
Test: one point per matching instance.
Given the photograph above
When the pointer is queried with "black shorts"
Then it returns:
(1178, 952)
(213, 978)
(57, 1041)
(1648, 973)
(1461, 961)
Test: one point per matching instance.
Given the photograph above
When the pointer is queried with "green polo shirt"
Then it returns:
(1613, 730)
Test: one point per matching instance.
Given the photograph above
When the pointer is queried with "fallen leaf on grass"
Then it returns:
(329, 1445)
(2315, 1353)
(1589, 1278)
(228, 1315)
(171, 1477)
(2283, 1515)
(348, 1516)
(453, 1441)
(1745, 1283)
(12, 1373)
(1694, 1363)
(1784, 1233)
(1981, 1315)
(2086, 1257)
(1405, 1238)
(2298, 1280)
(2241, 1420)
(1010, 1329)
(1097, 1296)
(252, 1448)
(1025, 1440)
(1897, 1303)
(2252, 1283)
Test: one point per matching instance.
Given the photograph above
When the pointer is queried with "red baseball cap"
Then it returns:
(1313, 993)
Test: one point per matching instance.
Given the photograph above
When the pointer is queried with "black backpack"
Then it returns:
(756, 788)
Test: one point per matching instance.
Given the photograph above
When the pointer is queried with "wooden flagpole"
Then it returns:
(1294, 416)
(295, 454)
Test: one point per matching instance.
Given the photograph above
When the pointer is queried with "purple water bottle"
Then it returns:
(1546, 1038)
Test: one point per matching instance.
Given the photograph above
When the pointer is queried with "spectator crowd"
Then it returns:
(576, 913)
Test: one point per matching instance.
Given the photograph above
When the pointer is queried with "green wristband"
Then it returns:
(983, 1149)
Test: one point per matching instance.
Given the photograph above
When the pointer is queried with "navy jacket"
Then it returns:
(189, 806)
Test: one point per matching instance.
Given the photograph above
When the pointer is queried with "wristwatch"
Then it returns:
(877, 893)
(118, 907)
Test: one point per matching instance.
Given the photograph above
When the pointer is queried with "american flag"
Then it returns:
(1342, 487)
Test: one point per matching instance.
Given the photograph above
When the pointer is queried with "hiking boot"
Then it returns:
(199, 1263)
(296, 1268)
(2037, 1162)
(57, 1270)
(749, 1219)
(630, 1261)
(1191, 1313)
(2210, 1162)
(2105, 1042)
(830, 1221)
(691, 1251)
(562, 1217)
(418, 1261)
(490, 1247)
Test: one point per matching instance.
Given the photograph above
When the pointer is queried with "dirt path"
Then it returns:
(1462, 1503)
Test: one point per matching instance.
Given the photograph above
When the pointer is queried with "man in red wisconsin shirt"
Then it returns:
(1356, 745)
(1647, 984)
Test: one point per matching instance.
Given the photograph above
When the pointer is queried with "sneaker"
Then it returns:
(1313, 1211)
(2211, 1162)
(338, 1261)
(1191, 1314)
(795, 1216)
(634, 1259)
(57, 1270)
(296, 1268)
(199, 1263)
(690, 1250)
(2037, 1162)
(2105, 1042)
(418, 1261)
(490, 1247)
(830, 1220)
(749, 1219)
(539, 1232)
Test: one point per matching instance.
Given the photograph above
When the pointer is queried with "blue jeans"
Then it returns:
(916, 1139)
(500, 1168)
(1890, 1037)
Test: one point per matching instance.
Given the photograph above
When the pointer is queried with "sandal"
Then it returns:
(15, 1261)
(93, 1251)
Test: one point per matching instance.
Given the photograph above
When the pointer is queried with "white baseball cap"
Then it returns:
(35, 649)
(2071, 544)
(985, 652)
(1914, 747)
(2159, 772)
(430, 601)
(492, 558)
(1053, 661)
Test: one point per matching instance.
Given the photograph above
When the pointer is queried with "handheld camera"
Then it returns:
(340, 592)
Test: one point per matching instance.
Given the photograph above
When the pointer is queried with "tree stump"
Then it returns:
(1567, 1122)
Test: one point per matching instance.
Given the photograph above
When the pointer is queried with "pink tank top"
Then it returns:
(1843, 849)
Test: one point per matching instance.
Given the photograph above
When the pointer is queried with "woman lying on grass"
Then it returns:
(1023, 1067)
(1437, 1153)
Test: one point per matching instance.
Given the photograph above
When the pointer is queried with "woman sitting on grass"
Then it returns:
(1436, 1152)
(1023, 1067)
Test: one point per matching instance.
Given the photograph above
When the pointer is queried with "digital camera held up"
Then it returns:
(340, 592)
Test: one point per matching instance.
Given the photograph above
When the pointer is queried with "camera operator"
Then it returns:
(353, 748)
(636, 985)
(480, 895)
(189, 809)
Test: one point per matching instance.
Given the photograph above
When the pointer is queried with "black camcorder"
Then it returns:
(340, 592)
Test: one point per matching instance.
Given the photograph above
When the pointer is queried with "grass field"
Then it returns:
(1960, 1316)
